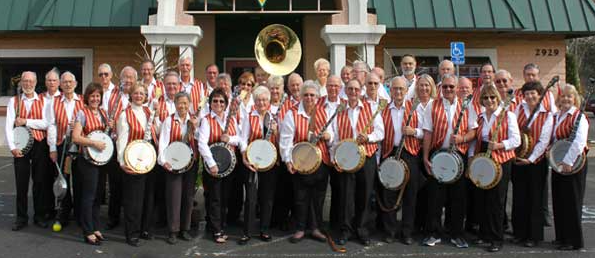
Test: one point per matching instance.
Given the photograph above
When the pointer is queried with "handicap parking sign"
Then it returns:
(457, 52)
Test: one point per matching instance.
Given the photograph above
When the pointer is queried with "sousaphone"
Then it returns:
(277, 49)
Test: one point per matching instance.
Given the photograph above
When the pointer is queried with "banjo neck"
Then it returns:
(273, 117)
(147, 136)
(407, 122)
(340, 108)
(112, 114)
(550, 84)
(500, 119)
(459, 120)
(381, 105)
(581, 112)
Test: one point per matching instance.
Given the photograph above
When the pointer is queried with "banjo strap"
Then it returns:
(397, 205)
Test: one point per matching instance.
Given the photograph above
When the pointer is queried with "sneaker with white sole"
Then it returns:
(431, 241)
(459, 242)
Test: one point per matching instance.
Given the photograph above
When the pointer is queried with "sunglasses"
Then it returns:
(501, 81)
(489, 97)
(309, 95)
(103, 74)
(447, 86)
(353, 88)
(220, 101)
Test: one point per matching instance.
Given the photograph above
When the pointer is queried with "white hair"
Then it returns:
(130, 68)
(68, 73)
(185, 58)
(310, 84)
(261, 90)
(106, 66)
(321, 61)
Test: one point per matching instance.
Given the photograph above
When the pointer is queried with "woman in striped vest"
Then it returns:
(179, 187)
(359, 186)
(89, 119)
(212, 131)
(300, 123)
(568, 191)
(528, 174)
(255, 126)
(440, 120)
(394, 118)
(492, 202)
(138, 195)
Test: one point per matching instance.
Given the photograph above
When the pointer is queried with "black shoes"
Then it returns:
(265, 237)
(94, 241)
(112, 224)
(18, 225)
(365, 241)
(133, 242)
(407, 240)
(146, 235)
(41, 223)
(244, 240)
(184, 235)
(530, 243)
(566, 247)
(172, 239)
(494, 248)
(297, 237)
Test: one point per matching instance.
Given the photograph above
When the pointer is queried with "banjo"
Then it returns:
(262, 153)
(223, 154)
(447, 164)
(483, 171)
(22, 136)
(305, 156)
(560, 148)
(349, 155)
(527, 141)
(140, 155)
(95, 156)
(179, 154)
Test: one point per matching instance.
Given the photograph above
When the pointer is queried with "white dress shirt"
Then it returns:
(204, 133)
(580, 141)
(398, 115)
(546, 131)
(170, 105)
(377, 134)
(246, 128)
(450, 110)
(39, 124)
(106, 96)
(165, 134)
(124, 129)
(69, 106)
(514, 135)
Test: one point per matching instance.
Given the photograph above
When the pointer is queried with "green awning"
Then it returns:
(528, 16)
(22, 15)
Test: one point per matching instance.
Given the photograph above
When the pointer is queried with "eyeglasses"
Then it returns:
(501, 81)
(373, 83)
(309, 95)
(353, 88)
(103, 74)
(246, 83)
(398, 88)
(447, 86)
(489, 97)
(220, 101)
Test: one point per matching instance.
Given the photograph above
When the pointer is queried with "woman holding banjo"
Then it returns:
(300, 124)
(217, 126)
(135, 123)
(91, 118)
(180, 179)
(530, 170)
(259, 155)
(568, 185)
(500, 149)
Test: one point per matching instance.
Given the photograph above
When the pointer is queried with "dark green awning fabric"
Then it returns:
(537, 16)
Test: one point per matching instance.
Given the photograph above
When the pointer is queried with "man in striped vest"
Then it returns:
(52, 81)
(27, 110)
(357, 186)
(154, 87)
(442, 116)
(60, 118)
(195, 88)
(397, 132)
(211, 73)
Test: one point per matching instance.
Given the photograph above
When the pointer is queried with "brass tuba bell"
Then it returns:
(277, 49)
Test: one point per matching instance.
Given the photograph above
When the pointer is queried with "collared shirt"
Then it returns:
(69, 106)
(123, 129)
(375, 102)
(514, 135)
(546, 131)
(187, 86)
(246, 128)
(39, 124)
(151, 88)
(398, 115)
(204, 133)
(450, 109)
(411, 88)
(49, 98)
(165, 134)
(106, 96)
(170, 105)
(580, 140)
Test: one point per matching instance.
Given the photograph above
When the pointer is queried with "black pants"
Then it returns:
(217, 205)
(115, 174)
(236, 190)
(179, 196)
(527, 191)
(283, 204)
(356, 200)
(421, 205)
(35, 165)
(335, 198)
(492, 206)
(309, 194)
(67, 203)
(138, 202)
(260, 188)
(438, 196)
(153, 202)
(89, 203)
(568, 192)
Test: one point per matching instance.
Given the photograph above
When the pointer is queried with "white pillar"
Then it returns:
(166, 12)
(157, 56)
(337, 58)
(188, 51)
(358, 12)
(370, 55)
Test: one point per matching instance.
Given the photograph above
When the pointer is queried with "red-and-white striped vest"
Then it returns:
(502, 155)
(157, 88)
(412, 144)
(320, 120)
(62, 117)
(217, 131)
(346, 132)
(198, 92)
(535, 129)
(113, 98)
(162, 111)
(256, 130)
(286, 106)
(92, 123)
(36, 112)
(135, 130)
(440, 123)
(175, 134)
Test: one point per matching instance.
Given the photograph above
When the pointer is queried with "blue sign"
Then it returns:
(457, 52)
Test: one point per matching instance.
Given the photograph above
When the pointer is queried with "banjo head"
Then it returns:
(225, 158)
(484, 172)
(306, 158)
(523, 150)
(557, 153)
(23, 139)
(262, 154)
(96, 156)
(179, 155)
(349, 156)
(446, 166)
(393, 174)
(140, 156)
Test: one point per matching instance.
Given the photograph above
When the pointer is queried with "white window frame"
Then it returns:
(492, 53)
(85, 53)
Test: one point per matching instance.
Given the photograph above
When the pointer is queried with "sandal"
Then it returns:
(99, 236)
(265, 237)
(220, 238)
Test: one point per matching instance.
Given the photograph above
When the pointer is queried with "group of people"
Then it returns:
(410, 112)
